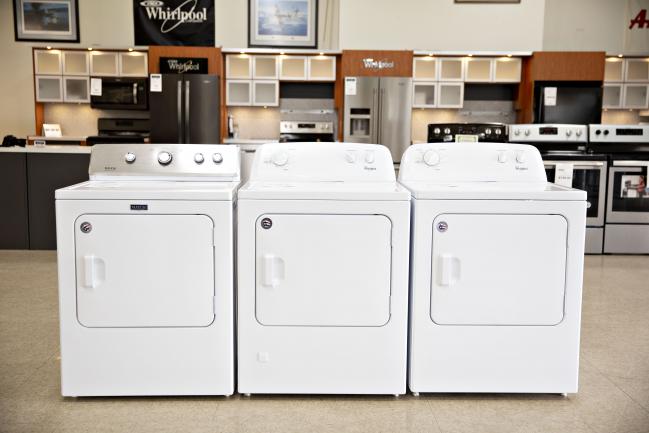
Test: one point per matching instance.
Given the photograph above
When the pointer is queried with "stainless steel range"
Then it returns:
(567, 162)
(627, 207)
(295, 131)
(488, 132)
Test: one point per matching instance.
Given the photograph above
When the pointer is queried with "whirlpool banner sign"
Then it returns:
(174, 22)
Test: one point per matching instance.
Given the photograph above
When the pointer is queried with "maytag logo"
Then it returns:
(377, 64)
(181, 67)
(172, 18)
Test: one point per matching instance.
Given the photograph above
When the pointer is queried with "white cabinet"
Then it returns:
(636, 70)
(49, 88)
(614, 69)
(424, 69)
(238, 92)
(507, 70)
(293, 68)
(265, 93)
(321, 68)
(47, 62)
(479, 70)
(424, 94)
(451, 69)
(450, 95)
(104, 63)
(76, 63)
(76, 89)
(612, 96)
(264, 67)
(636, 96)
(133, 64)
(238, 66)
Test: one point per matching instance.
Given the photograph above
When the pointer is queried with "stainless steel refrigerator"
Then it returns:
(186, 110)
(378, 110)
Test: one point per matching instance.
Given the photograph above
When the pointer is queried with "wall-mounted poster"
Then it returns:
(174, 22)
(283, 23)
(46, 20)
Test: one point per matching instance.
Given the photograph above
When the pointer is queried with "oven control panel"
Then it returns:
(186, 161)
(545, 133)
(472, 162)
(619, 133)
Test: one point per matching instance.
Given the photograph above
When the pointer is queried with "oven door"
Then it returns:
(121, 94)
(589, 176)
(628, 195)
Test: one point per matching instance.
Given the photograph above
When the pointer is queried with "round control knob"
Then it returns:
(436, 131)
(498, 131)
(527, 132)
(578, 133)
(129, 157)
(520, 157)
(568, 133)
(598, 132)
(199, 158)
(350, 157)
(606, 132)
(517, 131)
(369, 157)
(280, 158)
(447, 130)
(217, 158)
(431, 158)
(502, 157)
(488, 131)
(164, 157)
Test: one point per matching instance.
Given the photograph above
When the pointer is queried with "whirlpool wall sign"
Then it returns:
(174, 22)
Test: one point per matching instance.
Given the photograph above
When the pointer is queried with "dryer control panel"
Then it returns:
(323, 162)
(141, 161)
(472, 162)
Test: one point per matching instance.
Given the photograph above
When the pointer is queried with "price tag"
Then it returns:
(550, 96)
(155, 82)
(563, 174)
(350, 86)
(95, 86)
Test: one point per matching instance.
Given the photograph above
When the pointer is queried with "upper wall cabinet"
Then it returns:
(637, 70)
(133, 64)
(507, 69)
(479, 70)
(47, 62)
(76, 63)
(424, 68)
(293, 68)
(614, 69)
(104, 63)
(451, 69)
(264, 67)
(321, 68)
(238, 66)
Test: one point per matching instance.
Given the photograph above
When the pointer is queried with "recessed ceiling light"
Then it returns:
(89, 48)
(48, 47)
(620, 55)
(509, 55)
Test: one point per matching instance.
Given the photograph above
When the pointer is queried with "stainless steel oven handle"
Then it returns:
(135, 93)
(631, 163)
(179, 110)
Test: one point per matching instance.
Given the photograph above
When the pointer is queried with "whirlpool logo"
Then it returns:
(170, 18)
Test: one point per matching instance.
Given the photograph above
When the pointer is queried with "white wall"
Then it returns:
(441, 25)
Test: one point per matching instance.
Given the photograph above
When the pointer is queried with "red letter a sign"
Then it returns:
(640, 20)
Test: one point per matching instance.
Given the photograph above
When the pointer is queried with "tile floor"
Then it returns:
(613, 395)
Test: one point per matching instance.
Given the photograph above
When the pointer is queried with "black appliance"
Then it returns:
(120, 131)
(575, 103)
(567, 163)
(290, 131)
(186, 110)
(487, 132)
(121, 93)
(627, 200)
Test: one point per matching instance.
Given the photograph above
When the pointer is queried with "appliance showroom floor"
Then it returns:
(613, 395)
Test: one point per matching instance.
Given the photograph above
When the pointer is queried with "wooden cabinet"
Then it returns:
(424, 94)
(265, 67)
(133, 64)
(238, 66)
(49, 88)
(450, 95)
(104, 63)
(76, 63)
(47, 62)
(636, 70)
(265, 93)
(293, 68)
(76, 89)
(451, 69)
(636, 96)
(321, 68)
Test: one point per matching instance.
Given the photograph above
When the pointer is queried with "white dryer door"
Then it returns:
(323, 270)
(144, 270)
(498, 269)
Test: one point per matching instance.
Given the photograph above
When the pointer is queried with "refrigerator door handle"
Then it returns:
(179, 111)
(187, 133)
(381, 97)
(135, 93)
(374, 117)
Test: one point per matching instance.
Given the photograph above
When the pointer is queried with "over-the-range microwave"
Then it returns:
(122, 93)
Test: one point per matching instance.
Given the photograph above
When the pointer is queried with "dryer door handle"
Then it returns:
(94, 271)
(273, 270)
(449, 270)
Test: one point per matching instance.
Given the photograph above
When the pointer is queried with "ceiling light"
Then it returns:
(48, 47)
(509, 55)
(130, 49)
(620, 55)
(89, 48)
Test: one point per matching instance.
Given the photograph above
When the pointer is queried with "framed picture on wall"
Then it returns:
(283, 23)
(46, 20)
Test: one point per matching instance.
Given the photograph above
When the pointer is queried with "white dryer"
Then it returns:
(146, 272)
(323, 238)
(496, 271)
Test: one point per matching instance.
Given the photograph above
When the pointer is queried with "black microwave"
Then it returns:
(121, 93)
